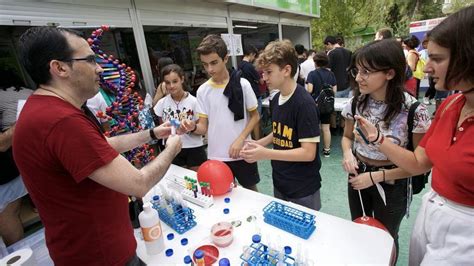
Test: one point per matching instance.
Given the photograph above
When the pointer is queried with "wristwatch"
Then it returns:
(152, 134)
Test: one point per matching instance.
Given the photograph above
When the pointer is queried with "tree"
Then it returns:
(342, 17)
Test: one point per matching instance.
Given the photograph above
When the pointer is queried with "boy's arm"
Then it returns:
(238, 143)
(265, 141)
(306, 153)
(256, 152)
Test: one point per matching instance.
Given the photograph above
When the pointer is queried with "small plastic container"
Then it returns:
(222, 234)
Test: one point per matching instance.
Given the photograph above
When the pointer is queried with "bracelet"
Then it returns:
(194, 129)
(370, 175)
(383, 172)
(152, 134)
(376, 139)
(381, 140)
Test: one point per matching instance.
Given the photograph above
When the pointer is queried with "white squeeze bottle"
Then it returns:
(151, 230)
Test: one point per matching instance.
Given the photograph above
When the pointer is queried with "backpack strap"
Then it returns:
(410, 122)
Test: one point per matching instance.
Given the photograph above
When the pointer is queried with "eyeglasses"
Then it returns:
(89, 59)
(364, 73)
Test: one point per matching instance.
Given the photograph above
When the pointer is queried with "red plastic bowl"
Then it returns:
(211, 254)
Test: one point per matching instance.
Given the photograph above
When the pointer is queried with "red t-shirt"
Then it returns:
(56, 147)
(451, 150)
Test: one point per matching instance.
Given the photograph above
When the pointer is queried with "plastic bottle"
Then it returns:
(151, 230)
(199, 257)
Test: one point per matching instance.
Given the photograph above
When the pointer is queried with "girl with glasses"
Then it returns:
(443, 231)
(380, 98)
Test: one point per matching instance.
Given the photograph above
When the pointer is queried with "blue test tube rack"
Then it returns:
(289, 219)
(258, 254)
(181, 219)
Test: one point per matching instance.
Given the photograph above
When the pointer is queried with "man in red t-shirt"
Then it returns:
(75, 176)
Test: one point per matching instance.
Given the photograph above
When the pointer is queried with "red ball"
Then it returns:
(218, 175)
(370, 222)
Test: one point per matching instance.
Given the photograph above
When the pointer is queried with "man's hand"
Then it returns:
(174, 142)
(235, 148)
(253, 152)
(163, 131)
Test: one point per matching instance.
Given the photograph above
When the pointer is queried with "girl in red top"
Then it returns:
(444, 233)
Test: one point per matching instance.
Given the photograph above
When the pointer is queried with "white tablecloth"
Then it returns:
(335, 240)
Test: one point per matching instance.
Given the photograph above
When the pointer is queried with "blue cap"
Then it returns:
(187, 260)
(156, 197)
(287, 250)
(184, 241)
(224, 262)
(199, 254)
(226, 210)
(256, 238)
(169, 252)
(227, 200)
(170, 236)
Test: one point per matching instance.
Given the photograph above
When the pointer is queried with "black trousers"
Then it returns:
(431, 91)
(391, 215)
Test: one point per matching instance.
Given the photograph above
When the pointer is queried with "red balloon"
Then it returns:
(218, 175)
(370, 222)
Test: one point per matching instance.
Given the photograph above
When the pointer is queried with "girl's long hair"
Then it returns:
(384, 55)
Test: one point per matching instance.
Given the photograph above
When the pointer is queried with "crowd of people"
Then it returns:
(80, 183)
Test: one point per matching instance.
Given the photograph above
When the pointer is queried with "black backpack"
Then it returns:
(325, 100)
(417, 182)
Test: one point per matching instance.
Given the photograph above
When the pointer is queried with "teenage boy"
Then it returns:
(227, 109)
(295, 134)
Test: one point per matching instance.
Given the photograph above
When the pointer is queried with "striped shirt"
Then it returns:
(9, 103)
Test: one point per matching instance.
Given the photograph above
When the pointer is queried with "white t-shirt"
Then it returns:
(222, 129)
(97, 103)
(168, 109)
(306, 67)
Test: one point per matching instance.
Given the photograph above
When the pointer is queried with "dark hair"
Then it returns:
(212, 44)
(39, 45)
(250, 49)
(330, 39)
(412, 42)
(386, 33)
(340, 40)
(309, 52)
(352, 82)
(385, 55)
(172, 68)
(456, 34)
(299, 48)
(164, 61)
(321, 59)
(280, 53)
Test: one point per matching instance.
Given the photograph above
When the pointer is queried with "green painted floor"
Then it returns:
(334, 194)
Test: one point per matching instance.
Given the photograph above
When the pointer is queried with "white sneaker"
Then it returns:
(426, 101)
